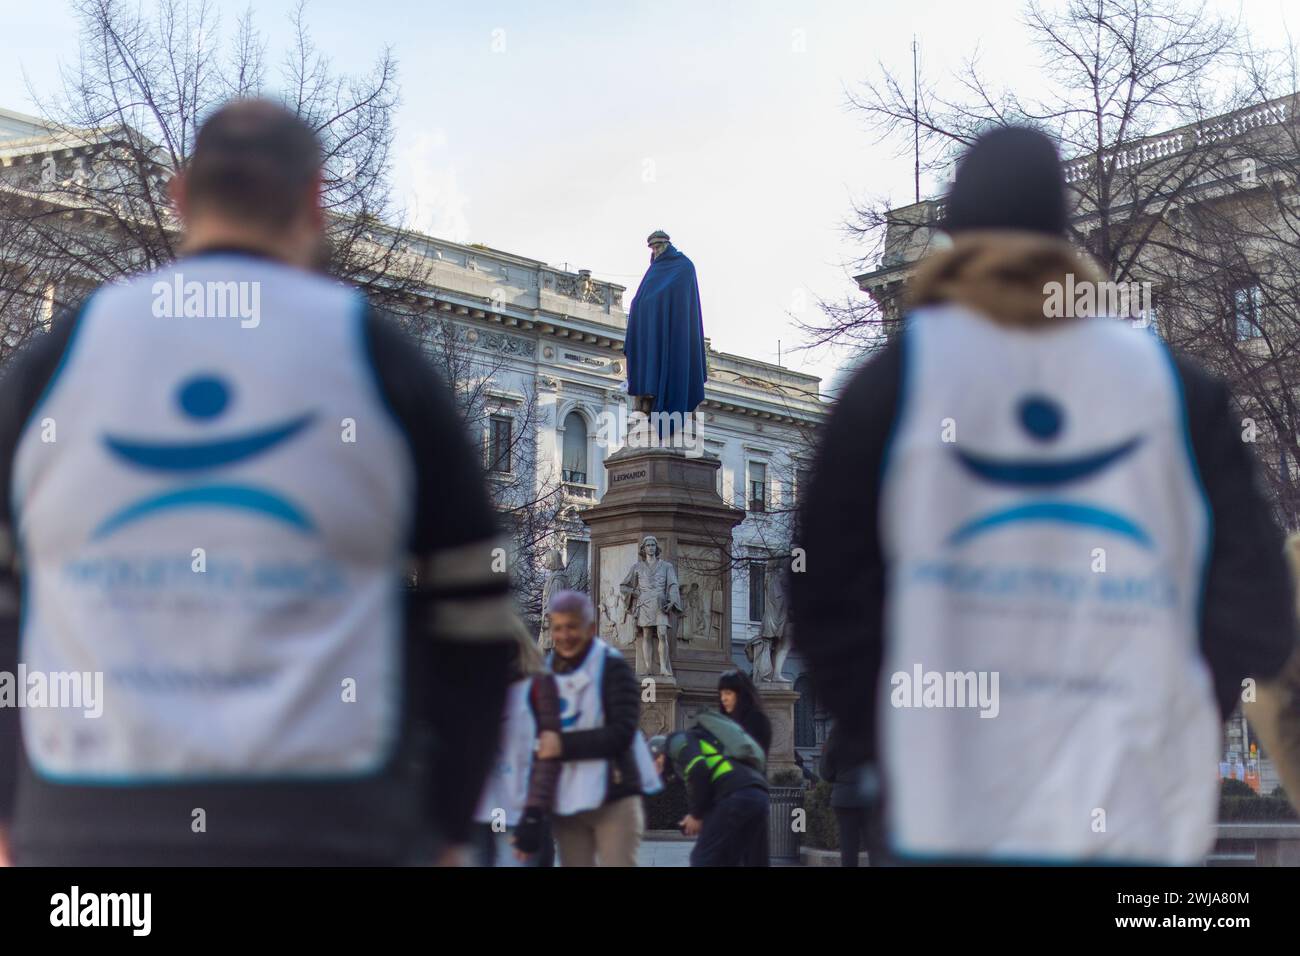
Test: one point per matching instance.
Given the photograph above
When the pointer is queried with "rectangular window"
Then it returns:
(803, 482)
(757, 589)
(757, 486)
(498, 450)
(1247, 310)
(574, 461)
(575, 564)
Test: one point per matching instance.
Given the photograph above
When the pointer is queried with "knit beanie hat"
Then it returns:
(1010, 179)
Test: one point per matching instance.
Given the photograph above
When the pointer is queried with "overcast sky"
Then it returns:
(567, 131)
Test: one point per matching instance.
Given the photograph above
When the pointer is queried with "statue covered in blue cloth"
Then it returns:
(666, 366)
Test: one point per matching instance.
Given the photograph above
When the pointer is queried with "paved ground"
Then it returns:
(676, 853)
(665, 853)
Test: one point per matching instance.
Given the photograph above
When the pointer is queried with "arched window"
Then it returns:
(574, 461)
(805, 709)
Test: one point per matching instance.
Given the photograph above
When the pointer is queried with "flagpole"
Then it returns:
(916, 119)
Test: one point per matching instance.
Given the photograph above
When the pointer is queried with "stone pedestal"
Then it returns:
(778, 699)
(658, 705)
(664, 493)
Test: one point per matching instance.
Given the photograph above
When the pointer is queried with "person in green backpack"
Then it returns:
(726, 790)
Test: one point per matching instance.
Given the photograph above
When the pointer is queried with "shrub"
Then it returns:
(1252, 809)
(786, 778)
(1236, 788)
(823, 833)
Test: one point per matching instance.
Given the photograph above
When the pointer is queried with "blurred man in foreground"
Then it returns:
(215, 478)
(1038, 563)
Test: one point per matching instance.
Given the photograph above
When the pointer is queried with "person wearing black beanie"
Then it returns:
(1007, 214)
(1010, 179)
(974, 479)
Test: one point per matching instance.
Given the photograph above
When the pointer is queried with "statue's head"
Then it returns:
(649, 547)
(554, 561)
(658, 242)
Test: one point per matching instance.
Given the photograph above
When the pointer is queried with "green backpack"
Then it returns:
(732, 739)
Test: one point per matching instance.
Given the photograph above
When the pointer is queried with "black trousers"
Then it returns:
(759, 853)
(731, 827)
(851, 822)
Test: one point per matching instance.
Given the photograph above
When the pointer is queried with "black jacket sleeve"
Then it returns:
(22, 382)
(1247, 617)
(620, 695)
(837, 602)
(694, 771)
(461, 604)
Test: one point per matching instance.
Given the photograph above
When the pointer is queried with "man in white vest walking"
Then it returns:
(599, 818)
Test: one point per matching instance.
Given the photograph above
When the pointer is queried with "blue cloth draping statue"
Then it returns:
(666, 366)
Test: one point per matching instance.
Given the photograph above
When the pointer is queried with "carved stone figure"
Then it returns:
(768, 651)
(695, 622)
(556, 580)
(614, 618)
(652, 595)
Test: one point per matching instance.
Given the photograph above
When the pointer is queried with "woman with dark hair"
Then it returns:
(738, 699)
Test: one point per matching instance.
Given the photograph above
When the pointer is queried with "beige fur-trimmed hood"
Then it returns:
(1000, 273)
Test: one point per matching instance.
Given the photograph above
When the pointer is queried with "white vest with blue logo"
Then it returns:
(506, 787)
(218, 526)
(583, 783)
(1043, 521)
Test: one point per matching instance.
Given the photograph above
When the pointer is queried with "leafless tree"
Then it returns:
(531, 502)
(125, 117)
(26, 299)
(1183, 159)
(1113, 73)
(1226, 267)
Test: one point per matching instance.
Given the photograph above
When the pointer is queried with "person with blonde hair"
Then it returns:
(513, 810)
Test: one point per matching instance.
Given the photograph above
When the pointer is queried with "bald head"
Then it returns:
(256, 170)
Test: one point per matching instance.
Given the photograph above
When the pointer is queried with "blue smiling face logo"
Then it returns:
(1043, 420)
(569, 714)
(203, 399)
